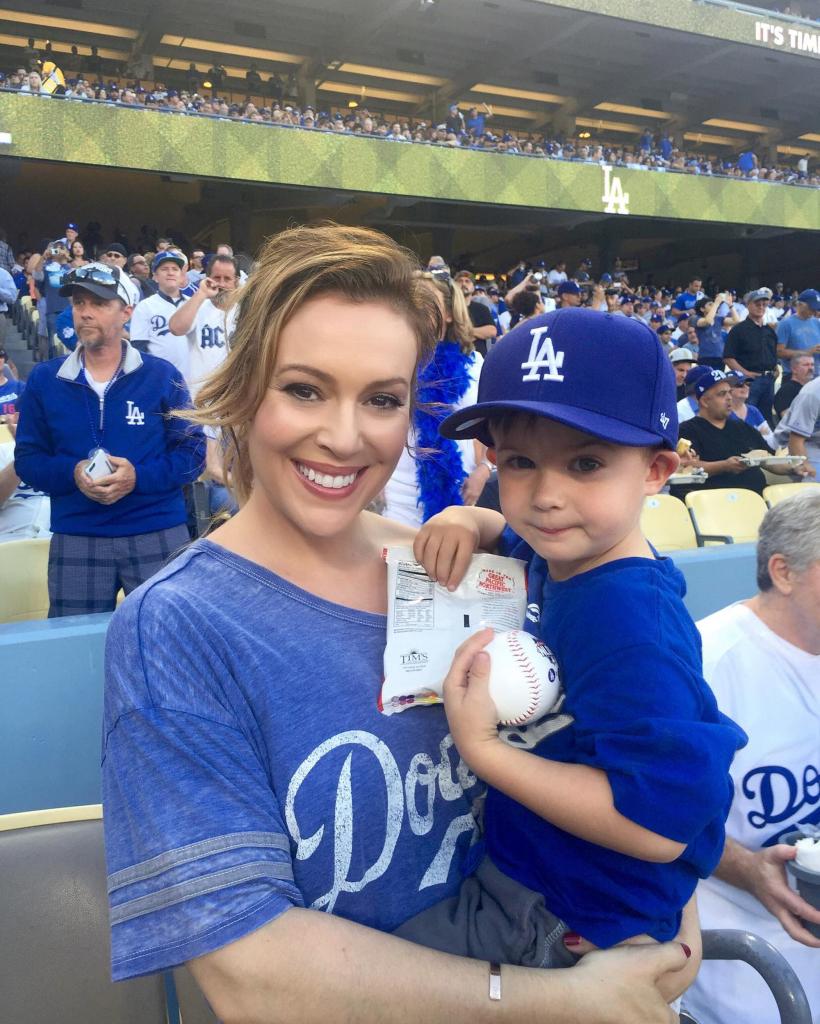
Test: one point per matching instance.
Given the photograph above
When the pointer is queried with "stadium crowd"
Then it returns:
(103, 457)
(474, 130)
(766, 342)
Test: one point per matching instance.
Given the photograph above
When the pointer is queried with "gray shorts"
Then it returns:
(493, 918)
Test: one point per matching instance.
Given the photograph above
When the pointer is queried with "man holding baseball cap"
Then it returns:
(97, 434)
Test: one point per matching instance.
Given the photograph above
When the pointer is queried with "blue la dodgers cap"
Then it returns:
(602, 374)
(699, 379)
(811, 297)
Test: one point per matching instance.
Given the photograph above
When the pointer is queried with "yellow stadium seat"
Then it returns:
(731, 514)
(779, 492)
(666, 524)
(5, 434)
(24, 594)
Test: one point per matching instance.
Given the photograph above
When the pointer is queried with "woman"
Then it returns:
(434, 472)
(248, 778)
(77, 252)
(748, 413)
(713, 318)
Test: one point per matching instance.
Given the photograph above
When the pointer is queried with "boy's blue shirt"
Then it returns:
(637, 707)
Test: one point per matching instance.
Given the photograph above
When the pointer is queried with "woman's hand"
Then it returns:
(471, 713)
(445, 545)
(622, 984)
(673, 983)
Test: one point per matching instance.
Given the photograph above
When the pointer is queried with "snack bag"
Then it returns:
(427, 622)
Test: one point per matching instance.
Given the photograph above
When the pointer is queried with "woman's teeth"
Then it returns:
(325, 479)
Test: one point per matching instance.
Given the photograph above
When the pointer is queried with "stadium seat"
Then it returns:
(730, 514)
(5, 434)
(779, 492)
(54, 945)
(24, 594)
(666, 524)
(727, 944)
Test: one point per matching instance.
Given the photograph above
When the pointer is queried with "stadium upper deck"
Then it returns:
(721, 75)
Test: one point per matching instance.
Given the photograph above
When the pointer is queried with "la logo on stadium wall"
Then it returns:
(615, 200)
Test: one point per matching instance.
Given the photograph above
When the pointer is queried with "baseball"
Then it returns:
(524, 682)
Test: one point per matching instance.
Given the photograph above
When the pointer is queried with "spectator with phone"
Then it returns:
(48, 273)
(95, 434)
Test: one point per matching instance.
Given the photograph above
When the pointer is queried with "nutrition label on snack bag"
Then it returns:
(414, 598)
(427, 622)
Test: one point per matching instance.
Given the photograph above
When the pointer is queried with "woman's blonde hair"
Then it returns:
(295, 266)
(460, 327)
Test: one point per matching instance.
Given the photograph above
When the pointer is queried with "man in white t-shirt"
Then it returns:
(762, 659)
(149, 322)
(203, 321)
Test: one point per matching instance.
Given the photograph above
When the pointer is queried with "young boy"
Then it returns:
(600, 822)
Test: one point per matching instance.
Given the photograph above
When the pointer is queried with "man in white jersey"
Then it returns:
(203, 321)
(149, 322)
(762, 659)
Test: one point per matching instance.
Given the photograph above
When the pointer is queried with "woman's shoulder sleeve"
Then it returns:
(197, 848)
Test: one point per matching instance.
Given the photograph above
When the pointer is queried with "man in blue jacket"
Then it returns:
(96, 435)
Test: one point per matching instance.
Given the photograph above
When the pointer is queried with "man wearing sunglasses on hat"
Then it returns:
(96, 434)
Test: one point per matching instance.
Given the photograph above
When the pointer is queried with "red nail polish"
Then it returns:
(686, 950)
(572, 939)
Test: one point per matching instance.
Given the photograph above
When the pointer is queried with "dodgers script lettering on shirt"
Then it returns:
(159, 325)
(778, 796)
(433, 779)
(542, 357)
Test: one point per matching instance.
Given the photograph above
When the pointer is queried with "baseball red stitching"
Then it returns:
(531, 676)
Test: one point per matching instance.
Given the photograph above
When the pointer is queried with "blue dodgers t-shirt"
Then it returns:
(11, 391)
(247, 769)
(637, 707)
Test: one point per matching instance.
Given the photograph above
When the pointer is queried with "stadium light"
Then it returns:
(738, 126)
(624, 108)
(207, 85)
(353, 104)
(46, 21)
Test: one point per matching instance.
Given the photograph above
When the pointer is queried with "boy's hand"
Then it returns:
(471, 713)
(445, 545)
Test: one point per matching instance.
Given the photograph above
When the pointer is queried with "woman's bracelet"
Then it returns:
(495, 981)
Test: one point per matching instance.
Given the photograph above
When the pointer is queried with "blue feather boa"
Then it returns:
(439, 469)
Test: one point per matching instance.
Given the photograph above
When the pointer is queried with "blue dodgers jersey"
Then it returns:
(247, 769)
(637, 707)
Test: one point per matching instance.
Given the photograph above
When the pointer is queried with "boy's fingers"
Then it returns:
(461, 562)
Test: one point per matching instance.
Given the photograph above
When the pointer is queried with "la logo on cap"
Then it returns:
(542, 357)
